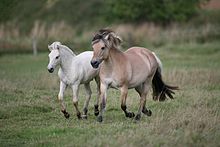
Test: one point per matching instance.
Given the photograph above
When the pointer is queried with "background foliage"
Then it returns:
(163, 11)
(185, 37)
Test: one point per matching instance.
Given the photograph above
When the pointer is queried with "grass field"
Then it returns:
(30, 112)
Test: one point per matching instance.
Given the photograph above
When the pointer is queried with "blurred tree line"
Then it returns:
(98, 11)
(159, 11)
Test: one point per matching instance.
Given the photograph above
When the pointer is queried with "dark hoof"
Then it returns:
(79, 116)
(130, 114)
(96, 113)
(147, 112)
(85, 110)
(84, 116)
(96, 110)
(137, 117)
(99, 119)
(66, 114)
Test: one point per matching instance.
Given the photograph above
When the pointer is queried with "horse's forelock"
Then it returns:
(102, 34)
(54, 45)
(107, 34)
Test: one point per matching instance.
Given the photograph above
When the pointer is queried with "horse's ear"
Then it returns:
(58, 46)
(49, 47)
(119, 39)
(107, 37)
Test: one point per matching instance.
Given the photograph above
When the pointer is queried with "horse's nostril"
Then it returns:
(50, 70)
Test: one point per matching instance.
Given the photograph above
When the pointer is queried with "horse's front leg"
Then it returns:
(103, 89)
(96, 106)
(124, 93)
(60, 98)
(88, 96)
(75, 89)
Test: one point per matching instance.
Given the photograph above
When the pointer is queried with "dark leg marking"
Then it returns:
(85, 111)
(96, 110)
(66, 114)
(79, 115)
(77, 110)
(127, 114)
(147, 111)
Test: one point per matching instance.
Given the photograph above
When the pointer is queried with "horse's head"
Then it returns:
(102, 42)
(54, 56)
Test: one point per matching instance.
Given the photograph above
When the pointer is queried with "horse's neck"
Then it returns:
(115, 57)
(66, 59)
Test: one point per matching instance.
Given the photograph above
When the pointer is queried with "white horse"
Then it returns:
(74, 70)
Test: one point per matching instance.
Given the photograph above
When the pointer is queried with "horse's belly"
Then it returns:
(115, 84)
(137, 79)
(135, 84)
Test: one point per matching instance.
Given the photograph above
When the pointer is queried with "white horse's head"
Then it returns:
(54, 56)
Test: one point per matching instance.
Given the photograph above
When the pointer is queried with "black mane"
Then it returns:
(101, 34)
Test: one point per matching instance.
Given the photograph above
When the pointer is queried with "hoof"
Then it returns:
(130, 114)
(66, 115)
(96, 113)
(147, 112)
(85, 110)
(79, 116)
(84, 116)
(99, 119)
(137, 117)
(96, 110)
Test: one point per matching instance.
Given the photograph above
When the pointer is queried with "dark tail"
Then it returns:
(160, 89)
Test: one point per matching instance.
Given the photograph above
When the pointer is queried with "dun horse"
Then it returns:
(136, 68)
(74, 70)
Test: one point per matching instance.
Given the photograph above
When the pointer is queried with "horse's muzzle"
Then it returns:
(51, 70)
(95, 64)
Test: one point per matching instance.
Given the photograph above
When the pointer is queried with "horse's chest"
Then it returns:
(67, 78)
(114, 82)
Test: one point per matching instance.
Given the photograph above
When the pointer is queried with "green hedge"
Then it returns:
(93, 12)
(161, 11)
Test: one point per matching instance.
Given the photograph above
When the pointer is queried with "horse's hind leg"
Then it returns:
(88, 97)
(75, 89)
(124, 93)
(60, 98)
(96, 106)
(144, 110)
(143, 93)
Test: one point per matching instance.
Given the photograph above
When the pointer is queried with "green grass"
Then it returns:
(30, 112)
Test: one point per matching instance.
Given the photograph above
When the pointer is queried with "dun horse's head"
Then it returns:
(54, 56)
(102, 42)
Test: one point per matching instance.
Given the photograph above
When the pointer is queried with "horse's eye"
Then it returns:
(57, 57)
(103, 48)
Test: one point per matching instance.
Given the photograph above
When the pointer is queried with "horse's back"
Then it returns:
(142, 62)
(140, 54)
(85, 55)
